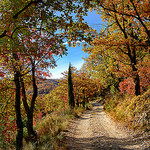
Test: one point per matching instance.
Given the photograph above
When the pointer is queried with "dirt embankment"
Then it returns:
(94, 130)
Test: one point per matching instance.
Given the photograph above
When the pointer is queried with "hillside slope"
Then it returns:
(45, 86)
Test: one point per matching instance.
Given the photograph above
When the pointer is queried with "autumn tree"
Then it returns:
(81, 82)
(126, 36)
(85, 86)
(104, 71)
(137, 11)
(32, 32)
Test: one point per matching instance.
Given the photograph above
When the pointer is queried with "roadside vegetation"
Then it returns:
(51, 128)
(52, 114)
(134, 112)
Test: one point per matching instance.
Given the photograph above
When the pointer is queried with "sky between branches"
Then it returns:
(75, 54)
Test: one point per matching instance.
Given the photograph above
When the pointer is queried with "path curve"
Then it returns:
(94, 130)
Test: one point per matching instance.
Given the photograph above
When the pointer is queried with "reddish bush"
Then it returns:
(127, 86)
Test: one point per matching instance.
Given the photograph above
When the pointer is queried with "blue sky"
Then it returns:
(75, 54)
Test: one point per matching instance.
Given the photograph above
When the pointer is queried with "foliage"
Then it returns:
(88, 106)
(50, 128)
(33, 33)
(133, 112)
(58, 97)
(53, 101)
(127, 86)
(119, 49)
(81, 82)
(7, 115)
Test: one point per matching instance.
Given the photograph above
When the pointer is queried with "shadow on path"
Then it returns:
(100, 143)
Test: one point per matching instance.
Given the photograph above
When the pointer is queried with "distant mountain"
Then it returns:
(45, 86)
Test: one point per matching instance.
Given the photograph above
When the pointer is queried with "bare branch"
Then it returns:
(3, 34)
(17, 28)
(32, 2)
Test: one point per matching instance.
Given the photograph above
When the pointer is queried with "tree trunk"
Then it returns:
(19, 122)
(32, 136)
(136, 81)
(31, 133)
(136, 77)
(137, 85)
(132, 55)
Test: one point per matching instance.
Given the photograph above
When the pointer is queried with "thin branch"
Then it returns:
(35, 92)
(123, 30)
(7, 103)
(107, 28)
(24, 99)
(123, 51)
(35, 64)
(3, 34)
(17, 14)
(117, 60)
(129, 15)
(139, 18)
(120, 13)
(17, 29)
(125, 35)
(32, 2)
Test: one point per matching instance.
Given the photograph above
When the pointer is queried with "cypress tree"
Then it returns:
(70, 88)
(77, 100)
(83, 98)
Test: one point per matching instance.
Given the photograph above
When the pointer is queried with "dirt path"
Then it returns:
(94, 130)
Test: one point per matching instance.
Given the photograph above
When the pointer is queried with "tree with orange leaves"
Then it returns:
(29, 39)
(126, 38)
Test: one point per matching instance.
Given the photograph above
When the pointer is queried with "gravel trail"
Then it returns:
(94, 130)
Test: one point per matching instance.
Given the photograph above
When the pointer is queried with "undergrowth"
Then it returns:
(133, 111)
(50, 129)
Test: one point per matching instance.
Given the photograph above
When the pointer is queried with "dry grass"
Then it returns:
(135, 112)
(50, 129)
